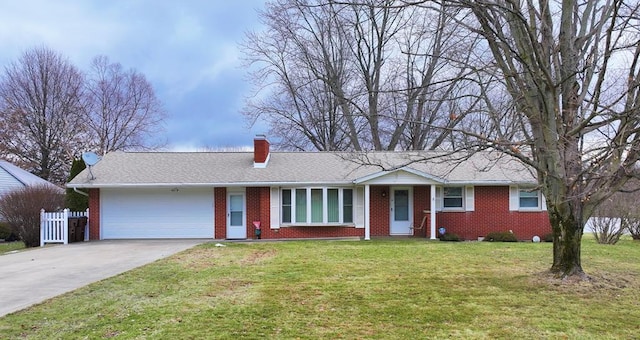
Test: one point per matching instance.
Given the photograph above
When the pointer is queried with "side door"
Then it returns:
(236, 216)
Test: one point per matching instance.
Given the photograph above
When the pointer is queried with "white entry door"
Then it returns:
(236, 216)
(401, 211)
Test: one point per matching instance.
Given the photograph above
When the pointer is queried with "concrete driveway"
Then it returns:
(32, 276)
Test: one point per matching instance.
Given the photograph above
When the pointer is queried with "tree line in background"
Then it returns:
(50, 111)
(361, 75)
(553, 84)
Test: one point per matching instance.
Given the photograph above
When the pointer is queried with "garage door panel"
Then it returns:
(156, 213)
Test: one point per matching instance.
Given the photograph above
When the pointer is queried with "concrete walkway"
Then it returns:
(33, 276)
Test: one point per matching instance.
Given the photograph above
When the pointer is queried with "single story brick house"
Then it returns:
(225, 195)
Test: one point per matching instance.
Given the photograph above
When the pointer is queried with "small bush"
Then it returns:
(450, 237)
(632, 225)
(607, 230)
(21, 210)
(504, 236)
(547, 237)
(5, 231)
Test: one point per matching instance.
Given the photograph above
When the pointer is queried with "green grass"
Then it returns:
(10, 246)
(389, 289)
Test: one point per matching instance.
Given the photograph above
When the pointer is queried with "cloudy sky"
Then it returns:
(187, 49)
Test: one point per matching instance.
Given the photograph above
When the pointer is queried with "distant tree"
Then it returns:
(50, 112)
(41, 105)
(623, 206)
(74, 200)
(123, 111)
(358, 75)
(21, 209)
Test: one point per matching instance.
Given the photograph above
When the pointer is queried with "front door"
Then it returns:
(401, 211)
(236, 217)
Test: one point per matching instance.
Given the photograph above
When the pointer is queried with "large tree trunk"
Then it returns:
(567, 239)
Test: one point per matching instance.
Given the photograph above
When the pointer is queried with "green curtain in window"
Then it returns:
(333, 206)
(301, 205)
(316, 206)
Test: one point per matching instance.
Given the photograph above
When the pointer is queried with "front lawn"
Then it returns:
(402, 289)
(6, 247)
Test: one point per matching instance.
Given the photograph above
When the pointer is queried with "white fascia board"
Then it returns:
(360, 181)
(490, 183)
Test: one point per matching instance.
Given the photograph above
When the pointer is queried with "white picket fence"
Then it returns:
(54, 226)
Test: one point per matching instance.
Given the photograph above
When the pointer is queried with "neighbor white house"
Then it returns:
(13, 178)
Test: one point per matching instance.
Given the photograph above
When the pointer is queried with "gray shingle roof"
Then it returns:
(22, 176)
(236, 168)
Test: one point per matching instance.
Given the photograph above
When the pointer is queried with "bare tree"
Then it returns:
(123, 111)
(572, 71)
(624, 206)
(302, 72)
(40, 102)
(357, 75)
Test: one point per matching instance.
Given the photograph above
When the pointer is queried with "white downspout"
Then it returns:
(80, 192)
(367, 226)
(433, 212)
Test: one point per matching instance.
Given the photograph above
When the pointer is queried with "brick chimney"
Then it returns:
(260, 151)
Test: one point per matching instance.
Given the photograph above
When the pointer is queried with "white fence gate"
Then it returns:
(54, 226)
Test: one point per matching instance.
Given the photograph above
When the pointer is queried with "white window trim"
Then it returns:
(536, 208)
(514, 199)
(325, 209)
(463, 191)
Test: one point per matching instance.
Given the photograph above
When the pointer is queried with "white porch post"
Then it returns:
(65, 225)
(367, 226)
(86, 227)
(433, 212)
(43, 225)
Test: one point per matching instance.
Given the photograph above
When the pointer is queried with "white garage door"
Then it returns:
(156, 213)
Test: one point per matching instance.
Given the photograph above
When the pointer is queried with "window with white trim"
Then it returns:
(453, 197)
(529, 199)
(317, 205)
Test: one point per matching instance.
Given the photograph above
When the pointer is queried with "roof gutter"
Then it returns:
(278, 184)
(205, 185)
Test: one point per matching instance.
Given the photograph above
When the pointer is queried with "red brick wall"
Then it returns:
(379, 210)
(259, 209)
(492, 214)
(94, 214)
(220, 218)
(421, 202)
(311, 232)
